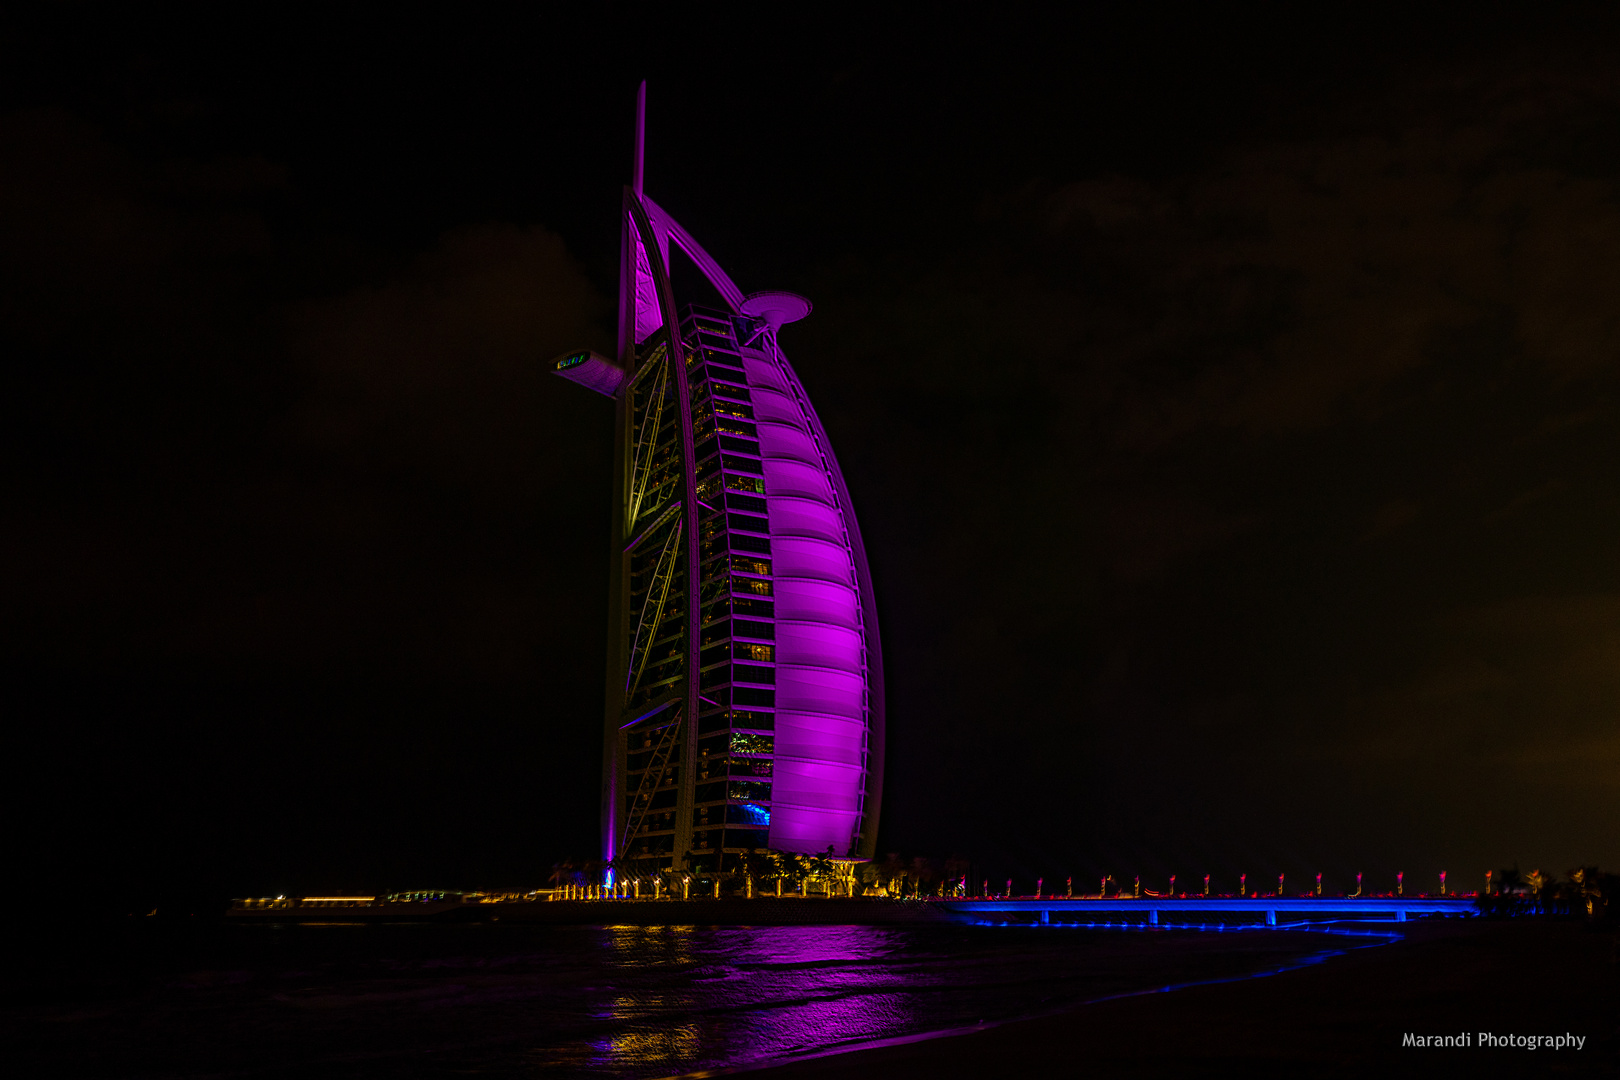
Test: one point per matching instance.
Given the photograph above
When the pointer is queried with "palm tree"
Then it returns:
(821, 866)
(562, 873)
(1586, 891)
(798, 868)
(757, 864)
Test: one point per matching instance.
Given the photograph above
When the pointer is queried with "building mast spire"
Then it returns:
(641, 137)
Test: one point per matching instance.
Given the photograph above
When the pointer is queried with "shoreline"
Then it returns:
(760, 911)
(1369, 940)
(1337, 1013)
(1193, 912)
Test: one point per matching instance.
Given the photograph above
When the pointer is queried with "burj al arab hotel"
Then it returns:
(744, 676)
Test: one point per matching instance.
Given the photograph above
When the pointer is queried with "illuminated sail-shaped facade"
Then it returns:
(745, 686)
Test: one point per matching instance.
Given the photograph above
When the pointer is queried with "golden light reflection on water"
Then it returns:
(670, 1047)
(657, 1037)
(649, 1005)
(648, 946)
(739, 995)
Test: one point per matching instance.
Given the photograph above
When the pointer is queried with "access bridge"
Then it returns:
(1183, 909)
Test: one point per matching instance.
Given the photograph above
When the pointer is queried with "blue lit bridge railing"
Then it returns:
(1181, 909)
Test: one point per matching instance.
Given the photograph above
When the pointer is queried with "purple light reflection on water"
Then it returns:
(758, 993)
(707, 998)
(505, 1000)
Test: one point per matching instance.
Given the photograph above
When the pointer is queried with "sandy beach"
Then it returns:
(1345, 1017)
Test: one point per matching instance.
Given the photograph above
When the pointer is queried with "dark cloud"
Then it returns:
(266, 491)
(1233, 432)
(1225, 456)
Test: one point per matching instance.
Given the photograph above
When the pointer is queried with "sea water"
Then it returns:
(613, 1001)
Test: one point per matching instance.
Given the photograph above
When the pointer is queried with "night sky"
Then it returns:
(1229, 401)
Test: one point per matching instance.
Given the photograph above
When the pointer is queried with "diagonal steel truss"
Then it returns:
(657, 766)
(646, 447)
(653, 606)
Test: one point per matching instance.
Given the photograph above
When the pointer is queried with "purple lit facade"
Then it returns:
(745, 686)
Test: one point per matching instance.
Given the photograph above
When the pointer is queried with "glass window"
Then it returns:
(747, 523)
(751, 768)
(753, 695)
(747, 814)
(720, 366)
(751, 585)
(749, 628)
(745, 650)
(708, 324)
(754, 674)
(738, 501)
(745, 483)
(747, 742)
(737, 443)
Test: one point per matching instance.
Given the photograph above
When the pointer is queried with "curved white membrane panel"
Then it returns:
(821, 678)
(815, 601)
(820, 644)
(798, 480)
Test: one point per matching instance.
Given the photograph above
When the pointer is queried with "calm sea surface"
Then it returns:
(510, 1001)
